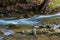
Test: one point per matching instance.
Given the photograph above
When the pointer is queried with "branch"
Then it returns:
(43, 5)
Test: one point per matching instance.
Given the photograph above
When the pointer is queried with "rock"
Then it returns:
(8, 32)
(1, 37)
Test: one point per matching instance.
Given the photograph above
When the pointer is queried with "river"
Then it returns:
(29, 21)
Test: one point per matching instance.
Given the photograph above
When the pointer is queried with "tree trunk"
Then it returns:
(43, 5)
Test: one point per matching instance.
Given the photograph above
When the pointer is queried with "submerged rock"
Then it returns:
(7, 32)
(1, 37)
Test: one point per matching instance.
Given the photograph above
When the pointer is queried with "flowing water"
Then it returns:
(29, 21)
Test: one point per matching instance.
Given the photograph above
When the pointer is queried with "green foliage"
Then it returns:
(28, 33)
(55, 4)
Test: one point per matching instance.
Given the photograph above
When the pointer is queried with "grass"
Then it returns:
(55, 3)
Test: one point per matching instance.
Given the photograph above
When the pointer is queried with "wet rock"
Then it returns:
(7, 32)
(1, 37)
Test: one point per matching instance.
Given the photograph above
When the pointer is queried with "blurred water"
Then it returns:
(1, 37)
(29, 21)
